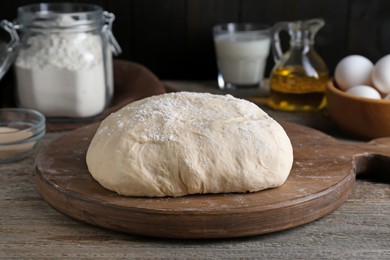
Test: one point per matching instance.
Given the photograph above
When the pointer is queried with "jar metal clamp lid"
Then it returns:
(8, 51)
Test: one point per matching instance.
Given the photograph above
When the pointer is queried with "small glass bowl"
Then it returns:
(20, 131)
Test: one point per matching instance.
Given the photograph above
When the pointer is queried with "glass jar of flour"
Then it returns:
(62, 55)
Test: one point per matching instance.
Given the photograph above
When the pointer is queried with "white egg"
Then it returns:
(352, 71)
(381, 75)
(364, 91)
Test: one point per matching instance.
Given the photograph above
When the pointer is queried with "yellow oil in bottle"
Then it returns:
(292, 90)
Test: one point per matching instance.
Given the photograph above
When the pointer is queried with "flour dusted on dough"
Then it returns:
(189, 143)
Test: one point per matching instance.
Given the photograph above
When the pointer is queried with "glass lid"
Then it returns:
(8, 44)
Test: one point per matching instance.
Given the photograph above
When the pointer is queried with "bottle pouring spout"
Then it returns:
(298, 79)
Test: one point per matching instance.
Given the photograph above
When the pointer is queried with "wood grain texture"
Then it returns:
(30, 228)
(320, 181)
(173, 38)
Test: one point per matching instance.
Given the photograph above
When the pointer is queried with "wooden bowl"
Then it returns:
(360, 117)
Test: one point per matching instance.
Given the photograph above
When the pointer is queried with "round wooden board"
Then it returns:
(320, 181)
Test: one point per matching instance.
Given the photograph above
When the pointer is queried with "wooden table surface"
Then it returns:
(31, 229)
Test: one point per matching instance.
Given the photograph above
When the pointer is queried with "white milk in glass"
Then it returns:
(242, 57)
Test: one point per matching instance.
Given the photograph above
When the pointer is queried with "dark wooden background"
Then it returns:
(173, 37)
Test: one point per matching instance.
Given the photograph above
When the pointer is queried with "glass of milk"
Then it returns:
(242, 50)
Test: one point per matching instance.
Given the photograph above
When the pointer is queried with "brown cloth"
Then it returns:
(132, 81)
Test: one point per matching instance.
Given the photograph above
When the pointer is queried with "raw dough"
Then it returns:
(188, 143)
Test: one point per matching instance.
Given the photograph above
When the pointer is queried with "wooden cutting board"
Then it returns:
(321, 179)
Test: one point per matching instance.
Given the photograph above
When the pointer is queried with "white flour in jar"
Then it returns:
(62, 75)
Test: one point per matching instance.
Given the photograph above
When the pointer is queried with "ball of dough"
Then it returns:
(184, 143)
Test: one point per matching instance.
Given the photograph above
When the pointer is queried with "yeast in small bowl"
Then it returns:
(361, 117)
(20, 131)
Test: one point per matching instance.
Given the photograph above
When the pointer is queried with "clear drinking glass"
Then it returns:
(242, 50)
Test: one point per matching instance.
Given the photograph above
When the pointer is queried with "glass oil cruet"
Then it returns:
(298, 80)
